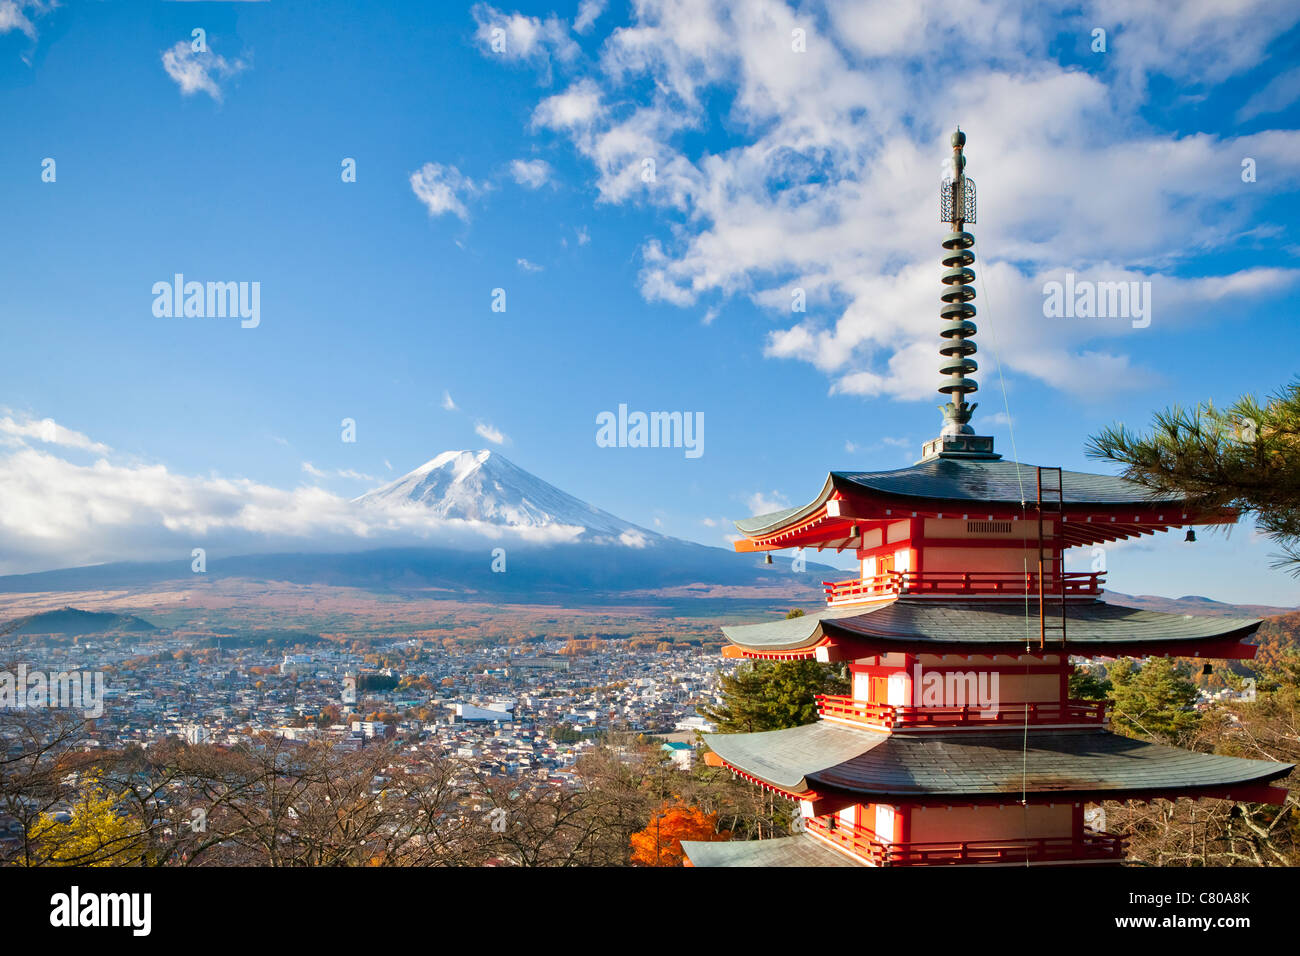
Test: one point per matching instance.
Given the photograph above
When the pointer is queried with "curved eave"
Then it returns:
(990, 627)
(783, 523)
(824, 759)
(781, 759)
(795, 637)
(849, 498)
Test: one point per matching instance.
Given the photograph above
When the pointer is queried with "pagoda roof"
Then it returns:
(801, 850)
(992, 626)
(964, 766)
(966, 481)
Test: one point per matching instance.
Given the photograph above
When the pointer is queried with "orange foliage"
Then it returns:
(660, 843)
(575, 646)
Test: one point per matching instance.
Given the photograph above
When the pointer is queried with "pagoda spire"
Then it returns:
(957, 209)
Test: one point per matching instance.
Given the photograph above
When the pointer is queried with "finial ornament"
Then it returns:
(957, 208)
(957, 311)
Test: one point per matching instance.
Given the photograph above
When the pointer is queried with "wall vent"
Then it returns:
(988, 527)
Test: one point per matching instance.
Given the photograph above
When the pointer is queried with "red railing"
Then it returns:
(1092, 845)
(890, 717)
(978, 583)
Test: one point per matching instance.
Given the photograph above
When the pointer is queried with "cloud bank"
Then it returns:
(72, 501)
(793, 154)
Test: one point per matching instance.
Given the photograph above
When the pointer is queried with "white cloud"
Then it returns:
(443, 189)
(199, 72)
(56, 513)
(528, 266)
(828, 175)
(517, 38)
(633, 538)
(1281, 92)
(588, 11)
(14, 15)
(531, 173)
(575, 108)
(490, 433)
(584, 237)
(447, 403)
(49, 431)
(761, 504)
(315, 472)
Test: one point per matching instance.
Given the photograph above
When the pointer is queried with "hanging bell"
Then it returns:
(1191, 535)
(1207, 669)
(767, 558)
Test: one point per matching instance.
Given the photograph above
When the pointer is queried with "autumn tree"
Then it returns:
(1228, 832)
(660, 843)
(96, 832)
(45, 749)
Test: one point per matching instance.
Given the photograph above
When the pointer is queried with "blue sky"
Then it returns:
(521, 168)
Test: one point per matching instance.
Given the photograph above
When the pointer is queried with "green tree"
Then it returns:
(771, 695)
(1085, 684)
(565, 734)
(1153, 700)
(1246, 457)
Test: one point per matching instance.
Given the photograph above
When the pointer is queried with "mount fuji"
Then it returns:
(484, 486)
(452, 515)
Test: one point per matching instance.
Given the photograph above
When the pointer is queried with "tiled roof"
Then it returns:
(969, 764)
(971, 481)
(784, 851)
(950, 479)
(984, 622)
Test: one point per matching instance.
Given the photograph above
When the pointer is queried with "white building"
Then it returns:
(197, 734)
(296, 664)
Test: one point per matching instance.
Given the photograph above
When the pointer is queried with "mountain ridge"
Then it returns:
(601, 555)
(485, 486)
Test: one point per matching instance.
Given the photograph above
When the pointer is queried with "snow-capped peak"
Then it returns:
(485, 486)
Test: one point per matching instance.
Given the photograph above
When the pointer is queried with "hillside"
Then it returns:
(71, 621)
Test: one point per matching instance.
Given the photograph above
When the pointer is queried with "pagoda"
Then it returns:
(959, 743)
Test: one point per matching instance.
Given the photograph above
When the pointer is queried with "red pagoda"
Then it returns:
(959, 743)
